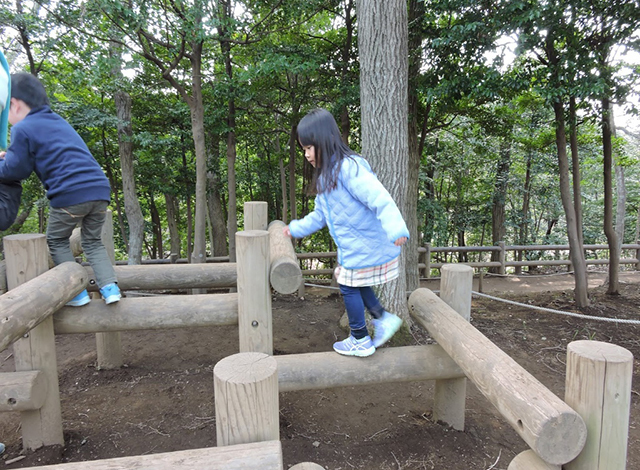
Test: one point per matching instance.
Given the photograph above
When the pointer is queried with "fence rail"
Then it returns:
(507, 257)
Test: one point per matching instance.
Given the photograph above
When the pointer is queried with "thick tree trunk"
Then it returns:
(133, 211)
(196, 106)
(576, 248)
(173, 215)
(612, 238)
(416, 12)
(383, 46)
(293, 144)
(498, 229)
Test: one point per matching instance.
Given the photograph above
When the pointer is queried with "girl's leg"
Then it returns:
(371, 302)
(355, 310)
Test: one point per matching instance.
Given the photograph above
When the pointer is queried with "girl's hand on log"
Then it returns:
(286, 231)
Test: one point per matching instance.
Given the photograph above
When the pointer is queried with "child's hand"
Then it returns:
(286, 231)
(400, 241)
(2, 154)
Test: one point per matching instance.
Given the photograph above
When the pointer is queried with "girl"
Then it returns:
(364, 222)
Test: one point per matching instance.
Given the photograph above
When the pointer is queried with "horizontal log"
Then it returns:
(149, 313)
(210, 259)
(174, 276)
(285, 274)
(487, 264)
(22, 391)
(551, 428)
(255, 456)
(27, 305)
(528, 460)
(313, 371)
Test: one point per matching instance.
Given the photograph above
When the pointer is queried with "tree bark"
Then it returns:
(575, 161)
(612, 238)
(498, 229)
(173, 215)
(383, 46)
(576, 248)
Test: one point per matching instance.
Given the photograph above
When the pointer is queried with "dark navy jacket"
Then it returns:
(9, 203)
(47, 144)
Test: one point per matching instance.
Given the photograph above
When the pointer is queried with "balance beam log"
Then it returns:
(22, 391)
(547, 424)
(174, 276)
(254, 456)
(149, 313)
(285, 274)
(528, 460)
(314, 371)
(28, 304)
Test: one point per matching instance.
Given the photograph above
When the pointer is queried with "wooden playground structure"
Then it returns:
(588, 430)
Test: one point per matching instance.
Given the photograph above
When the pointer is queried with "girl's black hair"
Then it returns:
(319, 128)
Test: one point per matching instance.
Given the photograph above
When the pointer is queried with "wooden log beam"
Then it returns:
(255, 456)
(149, 313)
(314, 371)
(547, 424)
(174, 276)
(22, 391)
(528, 460)
(28, 304)
(285, 273)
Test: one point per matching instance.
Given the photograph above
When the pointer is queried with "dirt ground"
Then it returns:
(162, 400)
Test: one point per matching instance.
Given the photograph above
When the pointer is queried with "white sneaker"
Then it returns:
(385, 327)
(355, 347)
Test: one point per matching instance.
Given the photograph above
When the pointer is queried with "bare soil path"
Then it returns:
(163, 399)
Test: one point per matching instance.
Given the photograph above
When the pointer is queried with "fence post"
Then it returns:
(638, 257)
(598, 387)
(427, 261)
(246, 399)
(255, 327)
(109, 345)
(27, 257)
(256, 215)
(450, 395)
(503, 258)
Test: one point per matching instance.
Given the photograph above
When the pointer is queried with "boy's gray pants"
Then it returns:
(62, 221)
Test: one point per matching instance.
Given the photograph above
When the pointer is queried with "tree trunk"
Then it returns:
(133, 211)
(156, 225)
(416, 12)
(612, 238)
(523, 226)
(575, 161)
(196, 106)
(293, 139)
(383, 45)
(216, 215)
(576, 248)
(621, 191)
(173, 215)
(498, 229)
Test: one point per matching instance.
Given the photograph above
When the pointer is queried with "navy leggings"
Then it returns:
(355, 300)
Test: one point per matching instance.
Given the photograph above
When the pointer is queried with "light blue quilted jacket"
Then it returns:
(363, 219)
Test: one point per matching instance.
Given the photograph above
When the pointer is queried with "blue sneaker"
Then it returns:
(355, 347)
(79, 300)
(385, 327)
(110, 293)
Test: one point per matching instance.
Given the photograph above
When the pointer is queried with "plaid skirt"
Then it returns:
(367, 276)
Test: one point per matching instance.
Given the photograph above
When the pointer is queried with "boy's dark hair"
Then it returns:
(28, 88)
(319, 128)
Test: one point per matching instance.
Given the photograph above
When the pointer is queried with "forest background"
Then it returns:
(191, 108)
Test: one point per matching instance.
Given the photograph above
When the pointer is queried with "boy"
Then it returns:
(77, 188)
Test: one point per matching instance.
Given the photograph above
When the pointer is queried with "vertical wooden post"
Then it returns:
(256, 215)
(598, 387)
(27, 257)
(638, 257)
(109, 345)
(503, 258)
(450, 395)
(246, 399)
(254, 292)
(427, 261)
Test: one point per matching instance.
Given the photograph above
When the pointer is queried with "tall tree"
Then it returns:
(383, 46)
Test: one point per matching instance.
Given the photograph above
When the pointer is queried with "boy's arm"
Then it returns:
(16, 163)
(9, 203)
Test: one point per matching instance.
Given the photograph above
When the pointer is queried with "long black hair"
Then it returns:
(319, 128)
